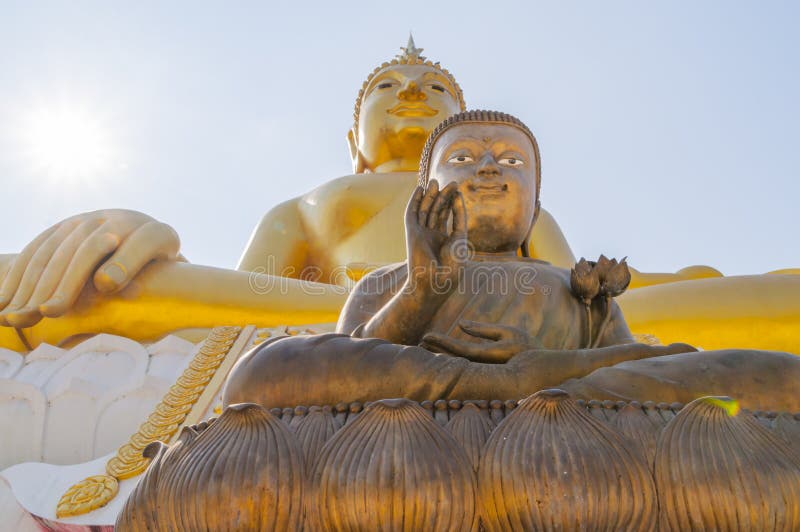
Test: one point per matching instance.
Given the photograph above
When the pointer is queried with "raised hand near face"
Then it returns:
(436, 254)
(111, 246)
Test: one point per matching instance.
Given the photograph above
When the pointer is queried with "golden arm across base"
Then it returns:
(752, 311)
(746, 312)
(170, 296)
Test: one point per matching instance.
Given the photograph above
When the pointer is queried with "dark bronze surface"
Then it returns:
(466, 317)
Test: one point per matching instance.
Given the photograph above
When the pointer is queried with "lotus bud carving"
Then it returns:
(392, 468)
(718, 468)
(617, 278)
(584, 281)
(601, 268)
(632, 423)
(551, 466)
(243, 472)
(471, 427)
(313, 430)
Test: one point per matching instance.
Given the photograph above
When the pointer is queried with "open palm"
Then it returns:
(436, 253)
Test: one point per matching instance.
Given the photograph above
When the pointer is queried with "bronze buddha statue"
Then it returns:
(466, 316)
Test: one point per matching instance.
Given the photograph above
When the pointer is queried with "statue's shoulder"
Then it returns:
(339, 208)
(360, 187)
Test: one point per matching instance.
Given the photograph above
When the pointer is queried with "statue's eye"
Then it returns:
(460, 159)
(437, 88)
(511, 161)
(385, 85)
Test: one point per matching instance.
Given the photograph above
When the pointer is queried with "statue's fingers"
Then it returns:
(17, 270)
(483, 330)
(59, 262)
(441, 208)
(35, 267)
(412, 209)
(453, 345)
(459, 214)
(441, 202)
(427, 202)
(86, 259)
(499, 352)
(25, 317)
(153, 240)
(444, 216)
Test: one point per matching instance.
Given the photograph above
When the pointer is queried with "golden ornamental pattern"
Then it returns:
(161, 425)
(87, 495)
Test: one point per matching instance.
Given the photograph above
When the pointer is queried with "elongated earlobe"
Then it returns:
(355, 155)
(525, 248)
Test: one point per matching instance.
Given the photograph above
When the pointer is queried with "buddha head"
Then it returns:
(494, 159)
(397, 108)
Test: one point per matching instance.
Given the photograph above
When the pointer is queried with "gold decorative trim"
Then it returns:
(161, 425)
(87, 495)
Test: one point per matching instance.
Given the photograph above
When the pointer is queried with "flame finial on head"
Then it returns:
(410, 51)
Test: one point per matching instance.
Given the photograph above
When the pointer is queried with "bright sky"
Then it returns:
(669, 130)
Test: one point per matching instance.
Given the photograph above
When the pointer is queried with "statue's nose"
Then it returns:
(488, 167)
(410, 91)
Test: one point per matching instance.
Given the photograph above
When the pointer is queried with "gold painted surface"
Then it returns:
(87, 495)
(748, 312)
(169, 296)
(161, 425)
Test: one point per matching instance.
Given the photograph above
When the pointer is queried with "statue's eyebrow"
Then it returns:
(391, 74)
(462, 143)
(440, 78)
(499, 145)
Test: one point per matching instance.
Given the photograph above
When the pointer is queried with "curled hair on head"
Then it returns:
(480, 116)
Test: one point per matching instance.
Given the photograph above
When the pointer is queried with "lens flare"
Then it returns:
(730, 406)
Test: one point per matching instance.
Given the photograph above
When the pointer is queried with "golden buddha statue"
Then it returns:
(120, 271)
(335, 231)
(466, 317)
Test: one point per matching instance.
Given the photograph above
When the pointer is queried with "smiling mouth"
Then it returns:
(489, 189)
(412, 110)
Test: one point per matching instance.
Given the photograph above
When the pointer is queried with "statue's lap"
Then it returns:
(332, 368)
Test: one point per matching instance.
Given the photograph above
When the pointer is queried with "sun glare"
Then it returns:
(68, 144)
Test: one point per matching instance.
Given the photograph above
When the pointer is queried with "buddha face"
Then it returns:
(494, 166)
(400, 107)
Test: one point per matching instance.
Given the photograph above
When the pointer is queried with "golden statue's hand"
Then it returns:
(502, 342)
(435, 257)
(48, 276)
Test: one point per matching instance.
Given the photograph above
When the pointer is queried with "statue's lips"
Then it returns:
(412, 110)
(497, 188)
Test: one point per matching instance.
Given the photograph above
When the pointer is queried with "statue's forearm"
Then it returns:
(538, 369)
(557, 366)
(404, 319)
(169, 296)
